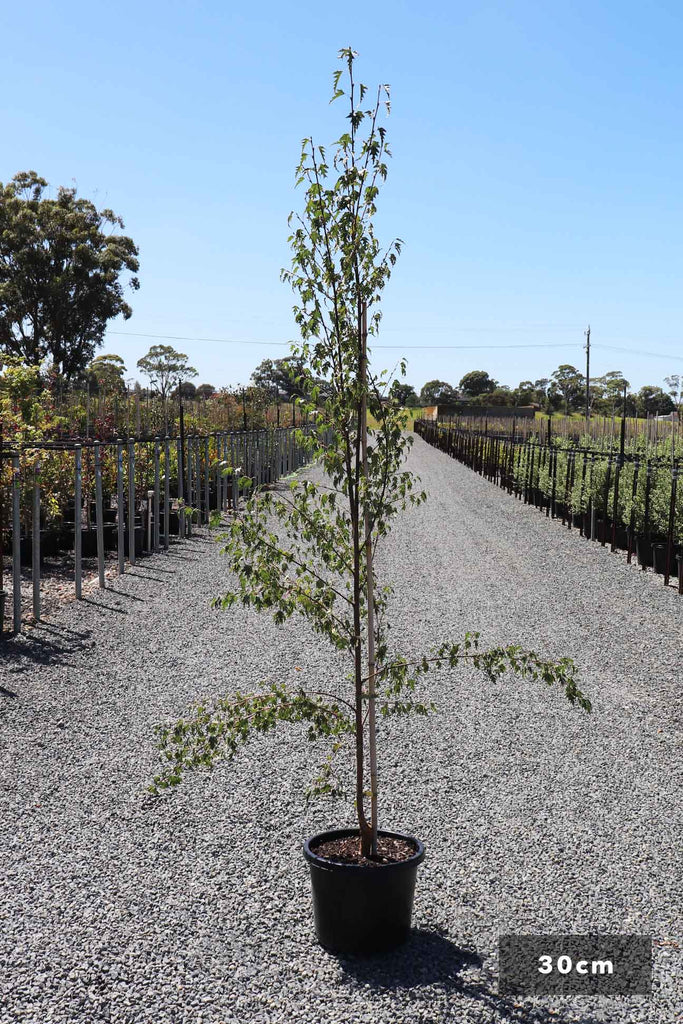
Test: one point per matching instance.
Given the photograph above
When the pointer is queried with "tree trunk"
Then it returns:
(372, 737)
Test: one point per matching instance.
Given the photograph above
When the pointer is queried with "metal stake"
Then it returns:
(120, 507)
(36, 542)
(78, 502)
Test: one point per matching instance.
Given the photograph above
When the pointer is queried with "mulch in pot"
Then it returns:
(346, 850)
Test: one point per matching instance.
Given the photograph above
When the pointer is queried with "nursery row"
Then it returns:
(623, 499)
(127, 497)
(646, 437)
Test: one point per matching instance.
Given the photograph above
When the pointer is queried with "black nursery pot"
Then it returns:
(659, 558)
(644, 550)
(621, 538)
(360, 909)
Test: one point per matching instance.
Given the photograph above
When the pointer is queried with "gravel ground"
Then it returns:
(195, 908)
(56, 585)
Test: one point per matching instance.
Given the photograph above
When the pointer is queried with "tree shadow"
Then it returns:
(430, 958)
(124, 593)
(105, 607)
(53, 649)
(158, 568)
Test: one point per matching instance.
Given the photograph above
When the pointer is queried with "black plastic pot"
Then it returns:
(659, 558)
(173, 523)
(139, 540)
(49, 545)
(621, 538)
(360, 909)
(644, 551)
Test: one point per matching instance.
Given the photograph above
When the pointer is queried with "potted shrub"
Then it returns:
(310, 551)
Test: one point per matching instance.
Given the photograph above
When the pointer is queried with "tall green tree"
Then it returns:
(477, 382)
(654, 401)
(311, 552)
(165, 368)
(568, 385)
(403, 394)
(61, 274)
(107, 372)
(674, 383)
(438, 392)
(288, 378)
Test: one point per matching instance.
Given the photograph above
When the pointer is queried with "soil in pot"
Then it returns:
(362, 906)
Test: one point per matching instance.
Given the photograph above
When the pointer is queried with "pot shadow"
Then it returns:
(426, 958)
(430, 958)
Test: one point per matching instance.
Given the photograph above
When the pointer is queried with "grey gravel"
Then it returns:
(196, 908)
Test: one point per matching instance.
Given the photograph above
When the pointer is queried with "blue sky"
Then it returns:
(536, 179)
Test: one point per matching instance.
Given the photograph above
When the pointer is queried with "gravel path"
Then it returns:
(196, 908)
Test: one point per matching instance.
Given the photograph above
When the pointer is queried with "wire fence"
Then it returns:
(127, 497)
(628, 500)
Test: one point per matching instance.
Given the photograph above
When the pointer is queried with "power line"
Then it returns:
(231, 341)
(459, 348)
(638, 352)
(179, 337)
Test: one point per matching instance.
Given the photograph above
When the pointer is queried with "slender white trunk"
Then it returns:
(372, 739)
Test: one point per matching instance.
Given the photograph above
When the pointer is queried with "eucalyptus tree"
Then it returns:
(166, 370)
(61, 266)
(310, 551)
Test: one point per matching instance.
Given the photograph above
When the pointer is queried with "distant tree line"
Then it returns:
(564, 391)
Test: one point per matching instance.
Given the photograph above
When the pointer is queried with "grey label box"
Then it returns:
(537, 965)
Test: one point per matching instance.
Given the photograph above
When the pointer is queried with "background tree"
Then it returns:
(166, 369)
(541, 388)
(107, 373)
(206, 391)
(674, 382)
(186, 391)
(283, 377)
(568, 385)
(525, 393)
(477, 382)
(614, 383)
(403, 394)
(438, 392)
(60, 274)
(654, 401)
(501, 395)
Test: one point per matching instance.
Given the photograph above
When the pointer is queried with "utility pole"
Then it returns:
(588, 373)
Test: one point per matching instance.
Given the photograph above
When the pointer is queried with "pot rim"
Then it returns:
(340, 833)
